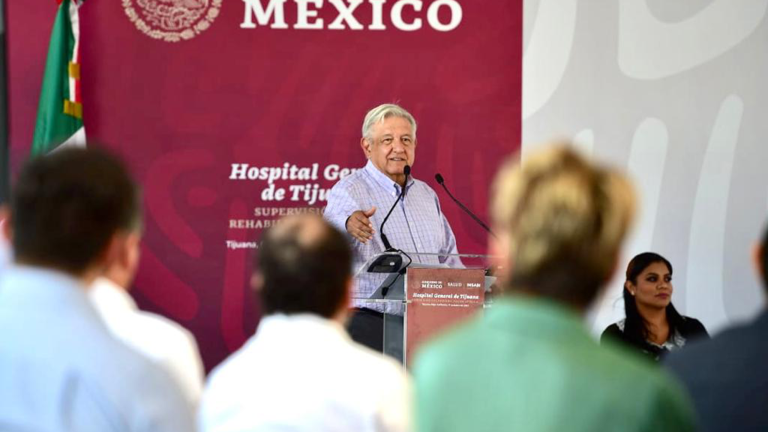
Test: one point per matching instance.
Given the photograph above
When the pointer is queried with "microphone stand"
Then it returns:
(390, 261)
(441, 182)
(387, 245)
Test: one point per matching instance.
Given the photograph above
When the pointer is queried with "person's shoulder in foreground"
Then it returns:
(327, 384)
(62, 370)
(161, 339)
(727, 377)
(503, 371)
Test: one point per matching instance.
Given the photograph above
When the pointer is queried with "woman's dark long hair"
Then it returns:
(635, 327)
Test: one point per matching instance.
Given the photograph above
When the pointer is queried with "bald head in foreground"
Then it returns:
(301, 371)
(529, 363)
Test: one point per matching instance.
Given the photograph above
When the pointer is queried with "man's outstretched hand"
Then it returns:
(359, 225)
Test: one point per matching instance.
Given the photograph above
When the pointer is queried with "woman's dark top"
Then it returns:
(690, 329)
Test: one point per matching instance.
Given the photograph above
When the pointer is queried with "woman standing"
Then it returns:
(652, 325)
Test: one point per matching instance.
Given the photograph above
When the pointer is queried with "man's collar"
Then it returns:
(106, 292)
(306, 320)
(383, 180)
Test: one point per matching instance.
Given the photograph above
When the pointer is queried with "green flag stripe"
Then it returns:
(53, 125)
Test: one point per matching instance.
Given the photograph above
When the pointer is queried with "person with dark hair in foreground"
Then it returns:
(727, 376)
(301, 371)
(529, 364)
(652, 325)
(60, 368)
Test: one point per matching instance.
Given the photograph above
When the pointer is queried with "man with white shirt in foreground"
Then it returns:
(72, 213)
(157, 337)
(301, 371)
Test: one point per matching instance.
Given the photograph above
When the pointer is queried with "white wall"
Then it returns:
(674, 93)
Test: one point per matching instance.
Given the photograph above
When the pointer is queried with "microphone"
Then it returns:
(407, 172)
(441, 182)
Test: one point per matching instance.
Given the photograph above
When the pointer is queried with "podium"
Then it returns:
(424, 295)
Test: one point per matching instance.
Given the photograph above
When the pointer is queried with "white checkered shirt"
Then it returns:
(416, 225)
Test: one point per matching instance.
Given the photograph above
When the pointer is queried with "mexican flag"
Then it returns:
(60, 111)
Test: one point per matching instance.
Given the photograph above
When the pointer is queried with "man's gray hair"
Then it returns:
(385, 111)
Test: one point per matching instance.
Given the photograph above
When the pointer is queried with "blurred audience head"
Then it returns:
(72, 210)
(561, 221)
(304, 266)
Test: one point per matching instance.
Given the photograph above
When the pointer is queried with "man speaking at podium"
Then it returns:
(358, 204)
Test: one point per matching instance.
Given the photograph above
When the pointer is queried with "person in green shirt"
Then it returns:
(529, 363)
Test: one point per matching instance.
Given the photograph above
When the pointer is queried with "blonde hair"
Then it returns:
(565, 219)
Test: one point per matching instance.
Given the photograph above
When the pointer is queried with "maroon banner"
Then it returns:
(232, 114)
(439, 299)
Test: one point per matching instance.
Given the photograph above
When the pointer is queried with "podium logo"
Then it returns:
(172, 20)
(428, 284)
